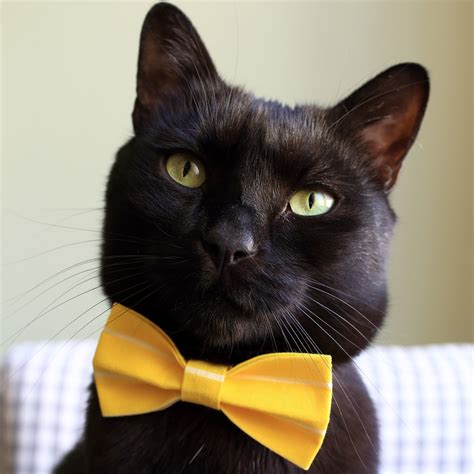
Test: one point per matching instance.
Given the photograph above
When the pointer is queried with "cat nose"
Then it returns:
(228, 245)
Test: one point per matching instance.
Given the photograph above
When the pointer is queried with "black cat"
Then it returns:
(256, 228)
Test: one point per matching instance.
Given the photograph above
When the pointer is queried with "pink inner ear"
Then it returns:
(389, 139)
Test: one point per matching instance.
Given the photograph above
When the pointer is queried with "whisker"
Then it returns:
(346, 392)
(350, 341)
(348, 295)
(128, 264)
(81, 213)
(341, 384)
(355, 364)
(54, 275)
(45, 252)
(341, 317)
(61, 348)
(70, 244)
(128, 308)
(270, 331)
(55, 285)
(46, 311)
(133, 257)
(99, 231)
(70, 323)
(281, 327)
(338, 332)
(333, 398)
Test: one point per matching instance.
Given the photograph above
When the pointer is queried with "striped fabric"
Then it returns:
(272, 398)
(424, 397)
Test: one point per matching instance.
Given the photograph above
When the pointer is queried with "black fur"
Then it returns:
(311, 284)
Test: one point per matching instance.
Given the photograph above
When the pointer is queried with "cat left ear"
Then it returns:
(384, 116)
(171, 56)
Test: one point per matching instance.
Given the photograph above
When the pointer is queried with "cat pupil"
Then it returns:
(186, 168)
(311, 200)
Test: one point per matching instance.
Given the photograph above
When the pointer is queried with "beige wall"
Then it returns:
(67, 91)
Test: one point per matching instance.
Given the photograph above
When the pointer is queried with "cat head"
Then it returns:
(243, 226)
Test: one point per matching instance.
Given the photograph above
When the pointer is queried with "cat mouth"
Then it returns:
(240, 304)
(240, 292)
(244, 293)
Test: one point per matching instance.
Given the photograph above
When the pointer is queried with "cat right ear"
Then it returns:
(383, 117)
(171, 56)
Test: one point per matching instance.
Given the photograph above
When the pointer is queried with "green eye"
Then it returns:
(311, 203)
(185, 170)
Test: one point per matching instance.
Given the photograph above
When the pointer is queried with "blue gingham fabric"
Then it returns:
(424, 397)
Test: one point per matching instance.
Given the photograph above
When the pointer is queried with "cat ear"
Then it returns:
(171, 56)
(384, 116)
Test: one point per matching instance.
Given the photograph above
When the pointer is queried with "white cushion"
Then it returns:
(424, 398)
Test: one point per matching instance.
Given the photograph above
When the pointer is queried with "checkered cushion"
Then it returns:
(424, 397)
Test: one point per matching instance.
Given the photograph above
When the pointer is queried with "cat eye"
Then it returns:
(185, 170)
(311, 203)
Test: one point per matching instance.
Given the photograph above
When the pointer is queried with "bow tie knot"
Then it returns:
(202, 383)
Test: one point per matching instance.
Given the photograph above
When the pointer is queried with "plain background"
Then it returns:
(68, 79)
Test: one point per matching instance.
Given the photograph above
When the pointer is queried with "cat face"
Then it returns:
(243, 226)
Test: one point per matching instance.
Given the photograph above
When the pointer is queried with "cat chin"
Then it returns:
(215, 329)
(220, 332)
(225, 340)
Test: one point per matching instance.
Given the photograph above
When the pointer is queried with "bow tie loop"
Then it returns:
(202, 383)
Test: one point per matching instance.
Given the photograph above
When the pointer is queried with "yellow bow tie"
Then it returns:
(282, 400)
